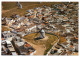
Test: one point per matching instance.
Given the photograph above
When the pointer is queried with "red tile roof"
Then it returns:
(28, 45)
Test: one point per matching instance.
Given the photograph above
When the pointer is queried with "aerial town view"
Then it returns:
(39, 28)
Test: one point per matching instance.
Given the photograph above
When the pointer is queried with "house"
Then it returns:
(76, 47)
(6, 51)
(71, 48)
(68, 41)
(21, 34)
(9, 47)
(74, 53)
(19, 22)
(53, 51)
(3, 20)
(68, 31)
(40, 16)
(15, 26)
(31, 28)
(35, 12)
(22, 48)
(64, 53)
(9, 21)
(66, 25)
(65, 44)
(57, 46)
(60, 50)
(2, 51)
(7, 35)
(69, 52)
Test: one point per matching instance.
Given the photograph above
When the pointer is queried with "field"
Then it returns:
(4, 28)
(45, 43)
(10, 8)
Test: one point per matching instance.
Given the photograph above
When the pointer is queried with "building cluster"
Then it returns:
(59, 18)
(67, 25)
(12, 44)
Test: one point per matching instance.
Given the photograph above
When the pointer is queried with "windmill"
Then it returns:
(41, 33)
(19, 5)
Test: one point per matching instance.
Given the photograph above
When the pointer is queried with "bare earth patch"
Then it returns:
(42, 45)
(40, 49)
(4, 11)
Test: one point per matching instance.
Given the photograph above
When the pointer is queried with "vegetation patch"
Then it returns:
(13, 8)
(46, 43)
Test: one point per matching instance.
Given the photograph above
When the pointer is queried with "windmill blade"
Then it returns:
(41, 34)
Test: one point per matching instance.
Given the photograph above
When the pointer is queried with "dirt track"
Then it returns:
(40, 49)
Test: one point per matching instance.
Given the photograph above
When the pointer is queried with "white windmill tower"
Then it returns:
(42, 33)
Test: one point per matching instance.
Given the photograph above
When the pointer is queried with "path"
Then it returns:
(40, 49)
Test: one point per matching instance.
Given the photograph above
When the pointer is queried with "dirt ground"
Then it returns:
(9, 8)
(5, 11)
(40, 49)
(46, 38)
(40, 45)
